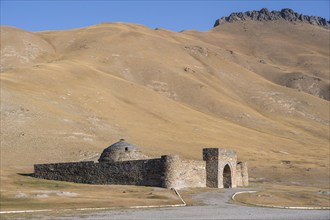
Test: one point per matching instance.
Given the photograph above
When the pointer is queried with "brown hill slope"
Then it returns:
(171, 93)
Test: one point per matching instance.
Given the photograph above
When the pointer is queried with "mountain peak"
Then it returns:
(265, 15)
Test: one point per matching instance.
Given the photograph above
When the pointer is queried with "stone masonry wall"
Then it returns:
(216, 160)
(135, 172)
(238, 175)
(242, 178)
(168, 172)
(193, 173)
(183, 173)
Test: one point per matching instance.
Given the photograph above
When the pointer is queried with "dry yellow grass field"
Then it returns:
(260, 88)
(286, 196)
(27, 193)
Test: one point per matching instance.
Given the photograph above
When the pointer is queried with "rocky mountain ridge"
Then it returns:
(266, 15)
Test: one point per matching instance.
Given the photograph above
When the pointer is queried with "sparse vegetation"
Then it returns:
(26, 193)
(287, 196)
(65, 95)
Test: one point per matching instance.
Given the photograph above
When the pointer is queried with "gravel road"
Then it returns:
(217, 206)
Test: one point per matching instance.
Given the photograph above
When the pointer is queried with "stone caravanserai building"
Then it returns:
(121, 163)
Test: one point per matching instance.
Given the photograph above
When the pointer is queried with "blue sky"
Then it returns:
(172, 15)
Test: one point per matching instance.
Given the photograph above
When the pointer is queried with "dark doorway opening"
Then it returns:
(226, 177)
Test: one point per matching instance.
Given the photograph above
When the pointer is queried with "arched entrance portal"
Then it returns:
(226, 177)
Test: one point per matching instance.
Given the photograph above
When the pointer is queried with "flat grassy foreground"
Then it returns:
(23, 192)
(288, 196)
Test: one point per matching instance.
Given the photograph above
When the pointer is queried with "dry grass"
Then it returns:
(26, 193)
(287, 196)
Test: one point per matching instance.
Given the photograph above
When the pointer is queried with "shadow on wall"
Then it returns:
(26, 174)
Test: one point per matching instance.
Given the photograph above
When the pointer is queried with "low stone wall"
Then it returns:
(193, 173)
(134, 172)
(183, 173)
(167, 171)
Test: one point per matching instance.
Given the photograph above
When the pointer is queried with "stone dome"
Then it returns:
(121, 151)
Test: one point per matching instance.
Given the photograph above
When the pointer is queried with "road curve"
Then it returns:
(217, 206)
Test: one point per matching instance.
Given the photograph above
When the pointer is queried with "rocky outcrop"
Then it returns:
(306, 83)
(265, 15)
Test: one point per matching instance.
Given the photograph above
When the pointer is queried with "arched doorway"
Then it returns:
(226, 177)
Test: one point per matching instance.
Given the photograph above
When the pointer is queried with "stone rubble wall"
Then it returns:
(181, 173)
(167, 171)
(193, 172)
(134, 172)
